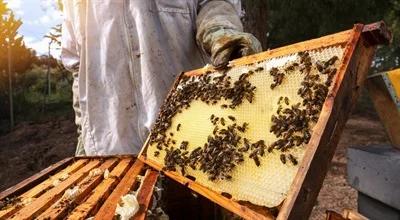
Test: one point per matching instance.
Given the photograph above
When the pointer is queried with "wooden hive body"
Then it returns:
(43, 196)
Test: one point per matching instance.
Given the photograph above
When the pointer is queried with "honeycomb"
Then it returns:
(268, 184)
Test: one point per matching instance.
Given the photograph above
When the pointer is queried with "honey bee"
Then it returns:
(280, 100)
(232, 118)
(278, 111)
(279, 78)
(332, 60)
(286, 100)
(178, 127)
(184, 145)
(224, 106)
(256, 161)
(320, 66)
(222, 121)
(289, 68)
(245, 125)
(215, 130)
(246, 144)
(273, 71)
(292, 159)
(283, 158)
(258, 69)
(156, 153)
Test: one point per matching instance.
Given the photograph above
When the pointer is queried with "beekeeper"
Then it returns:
(125, 55)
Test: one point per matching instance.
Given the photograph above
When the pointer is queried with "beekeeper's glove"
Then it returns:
(220, 33)
(228, 44)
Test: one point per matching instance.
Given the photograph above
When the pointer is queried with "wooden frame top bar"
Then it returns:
(43, 196)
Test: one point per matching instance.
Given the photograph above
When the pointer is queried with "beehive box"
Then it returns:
(257, 138)
(79, 188)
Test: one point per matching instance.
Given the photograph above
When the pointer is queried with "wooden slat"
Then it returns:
(101, 192)
(44, 201)
(145, 194)
(57, 211)
(375, 33)
(35, 179)
(107, 210)
(173, 174)
(229, 204)
(385, 107)
(40, 188)
(49, 182)
(319, 152)
(318, 43)
(241, 210)
(120, 156)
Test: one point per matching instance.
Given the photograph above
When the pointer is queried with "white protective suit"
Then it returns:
(125, 55)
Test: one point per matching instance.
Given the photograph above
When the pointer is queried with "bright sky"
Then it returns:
(38, 17)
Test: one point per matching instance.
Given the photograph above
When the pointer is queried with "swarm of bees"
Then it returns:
(205, 88)
(225, 148)
(292, 124)
(222, 152)
(220, 155)
(209, 90)
(175, 157)
(291, 127)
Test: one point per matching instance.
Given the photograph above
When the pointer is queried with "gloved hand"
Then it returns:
(220, 33)
(228, 44)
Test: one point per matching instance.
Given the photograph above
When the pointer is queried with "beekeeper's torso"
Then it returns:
(128, 53)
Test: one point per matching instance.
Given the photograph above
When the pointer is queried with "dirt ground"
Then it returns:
(336, 194)
(32, 147)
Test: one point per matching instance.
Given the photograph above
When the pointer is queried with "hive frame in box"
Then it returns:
(95, 189)
(360, 44)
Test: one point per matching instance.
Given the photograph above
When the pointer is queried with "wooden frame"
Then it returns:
(360, 43)
(97, 197)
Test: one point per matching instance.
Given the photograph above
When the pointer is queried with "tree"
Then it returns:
(255, 19)
(54, 37)
(388, 57)
(15, 58)
(282, 22)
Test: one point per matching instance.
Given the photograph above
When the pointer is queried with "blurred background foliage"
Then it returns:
(291, 21)
(274, 22)
(32, 76)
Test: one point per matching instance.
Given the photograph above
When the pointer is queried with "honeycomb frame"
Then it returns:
(327, 128)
